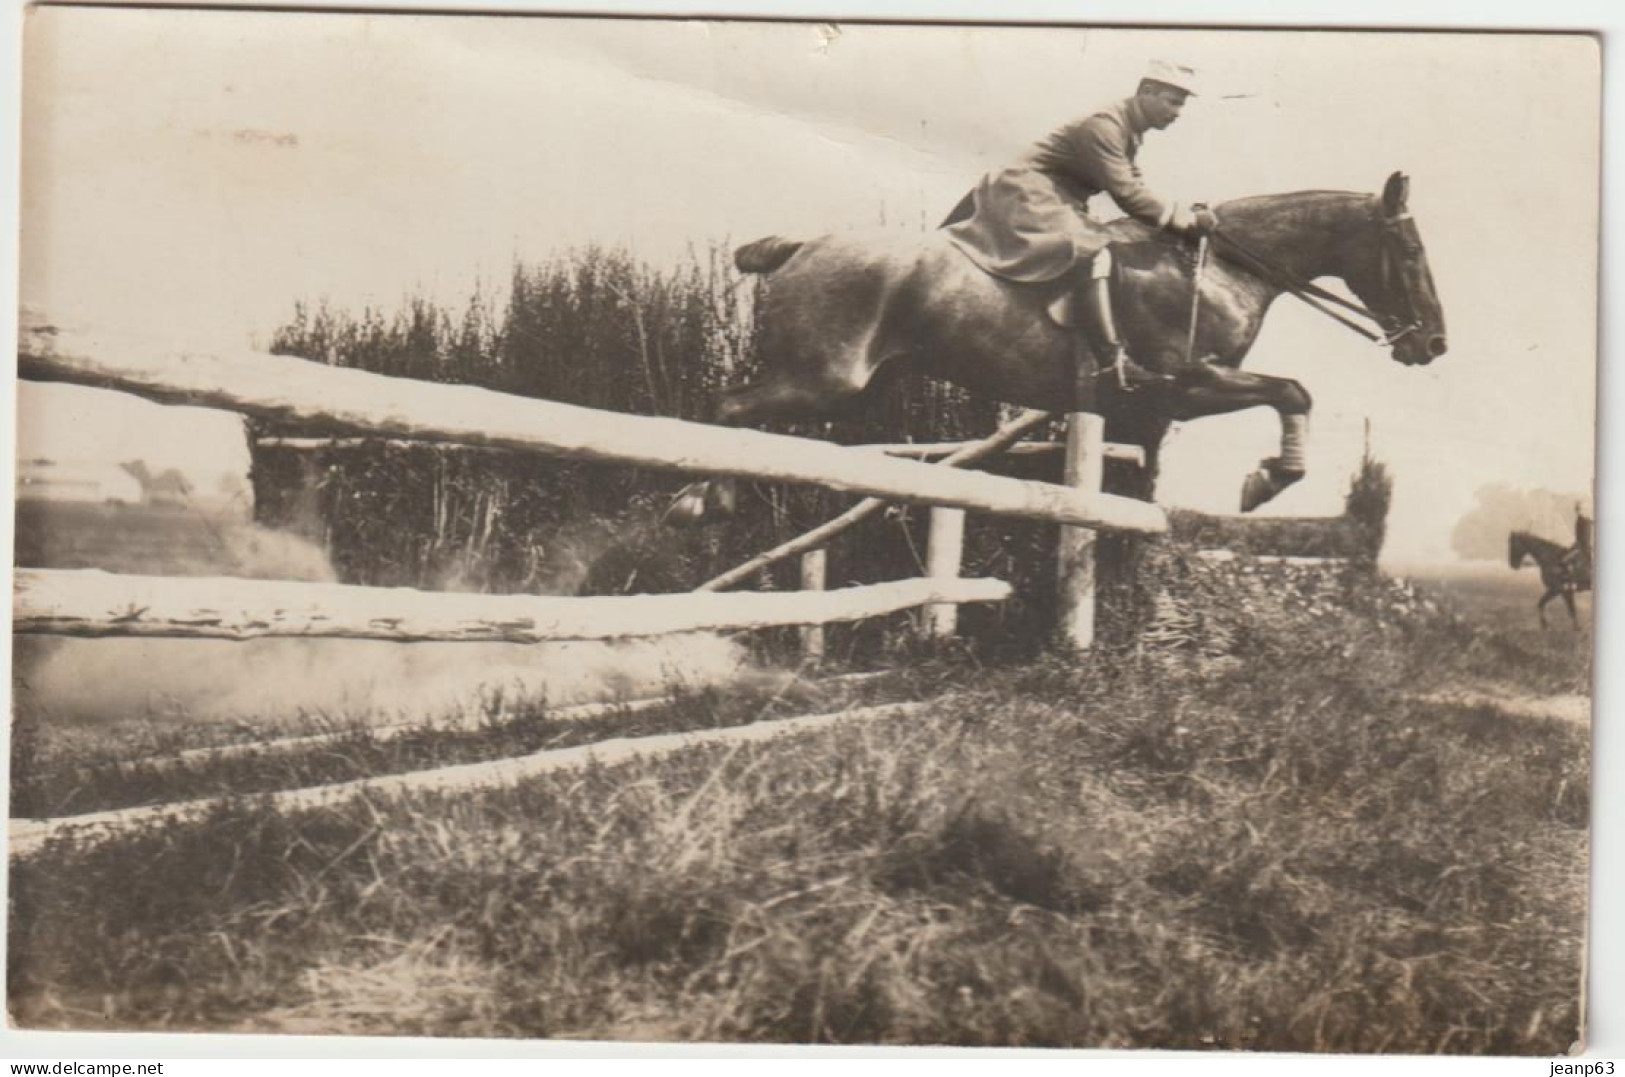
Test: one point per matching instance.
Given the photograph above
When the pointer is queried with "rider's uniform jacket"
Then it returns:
(1030, 221)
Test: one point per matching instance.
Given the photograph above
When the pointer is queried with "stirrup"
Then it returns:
(1120, 368)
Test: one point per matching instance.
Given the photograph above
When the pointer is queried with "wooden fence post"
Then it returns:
(1075, 547)
(814, 577)
(944, 551)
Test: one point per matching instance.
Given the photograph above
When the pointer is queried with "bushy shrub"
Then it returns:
(1356, 534)
(1371, 491)
(1280, 536)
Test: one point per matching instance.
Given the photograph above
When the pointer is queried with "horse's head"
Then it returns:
(1392, 278)
(1517, 549)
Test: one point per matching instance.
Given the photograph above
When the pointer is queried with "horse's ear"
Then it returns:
(1395, 193)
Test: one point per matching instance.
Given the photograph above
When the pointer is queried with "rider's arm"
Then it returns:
(1100, 154)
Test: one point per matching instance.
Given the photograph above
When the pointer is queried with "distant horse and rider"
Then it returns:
(1564, 570)
(1025, 298)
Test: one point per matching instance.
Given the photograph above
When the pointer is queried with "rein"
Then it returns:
(1196, 297)
(1313, 294)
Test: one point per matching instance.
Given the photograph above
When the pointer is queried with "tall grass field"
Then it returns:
(1252, 830)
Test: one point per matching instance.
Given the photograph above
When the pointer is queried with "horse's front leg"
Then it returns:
(1202, 389)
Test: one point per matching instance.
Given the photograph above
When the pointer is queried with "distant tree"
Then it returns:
(230, 484)
(139, 471)
(1481, 534)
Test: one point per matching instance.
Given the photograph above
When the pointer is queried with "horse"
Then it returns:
(1561, 573)
(839, 307)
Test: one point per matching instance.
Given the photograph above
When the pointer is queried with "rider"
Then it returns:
(1578, 557)
(1030, 221)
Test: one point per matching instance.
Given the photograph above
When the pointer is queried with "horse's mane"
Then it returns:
(1532, 539)
(1273, 203)
(1239, 211)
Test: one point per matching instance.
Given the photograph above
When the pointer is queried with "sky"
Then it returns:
(193, 174)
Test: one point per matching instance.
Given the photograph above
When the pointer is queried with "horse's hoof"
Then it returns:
(721, 499)
(1258, 489)
(686, 510)
(1280, 474)
(1268, 481)
(1286, 476)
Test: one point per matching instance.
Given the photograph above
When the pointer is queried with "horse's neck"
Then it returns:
(1538, 548)
(1307, 233)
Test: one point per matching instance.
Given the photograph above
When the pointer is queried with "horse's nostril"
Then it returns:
(1437, 346)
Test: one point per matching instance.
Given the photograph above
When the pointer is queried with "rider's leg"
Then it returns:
(1100, 325)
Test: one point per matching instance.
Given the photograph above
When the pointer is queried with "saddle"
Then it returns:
(1577, 564)
(1068, 309)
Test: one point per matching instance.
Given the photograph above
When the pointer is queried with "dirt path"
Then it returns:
(1564, 708)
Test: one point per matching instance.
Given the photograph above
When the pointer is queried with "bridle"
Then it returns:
(1398, 239)
(1398, 231)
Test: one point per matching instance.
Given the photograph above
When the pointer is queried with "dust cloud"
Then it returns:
(275, 682)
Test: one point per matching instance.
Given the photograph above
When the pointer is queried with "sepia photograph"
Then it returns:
(646, 530)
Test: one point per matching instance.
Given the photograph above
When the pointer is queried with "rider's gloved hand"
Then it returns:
(1195, 220)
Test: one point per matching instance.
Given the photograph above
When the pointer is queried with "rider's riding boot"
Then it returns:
(1100, 326)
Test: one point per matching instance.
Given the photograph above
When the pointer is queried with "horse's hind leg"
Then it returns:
(799, 393)
(780, 397)
(815, 364)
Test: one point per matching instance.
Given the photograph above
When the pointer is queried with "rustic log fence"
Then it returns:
(93, 603)
(284, 388)
(89, 602)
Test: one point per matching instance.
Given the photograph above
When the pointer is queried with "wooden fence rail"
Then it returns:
(286, 389)
(914, 450)
(30, 835)
(89, 602)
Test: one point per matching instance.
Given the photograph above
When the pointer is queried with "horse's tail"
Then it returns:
(766, 254)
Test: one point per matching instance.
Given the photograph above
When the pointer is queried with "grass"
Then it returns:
(1491, 593)
(58, 773)
(1288, 536)
(116, 538)
(159, 541)
(1277, 847)
(1496, 638)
